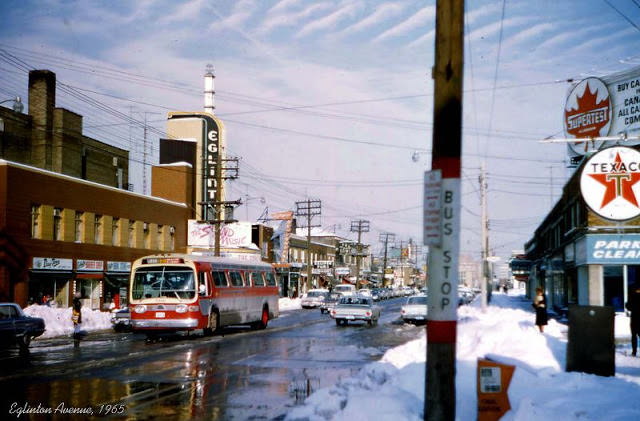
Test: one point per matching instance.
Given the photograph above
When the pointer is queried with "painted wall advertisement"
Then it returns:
(231, 235)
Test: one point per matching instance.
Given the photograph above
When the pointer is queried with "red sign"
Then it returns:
(587, 112)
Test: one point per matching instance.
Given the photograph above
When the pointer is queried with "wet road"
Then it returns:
(237, 375)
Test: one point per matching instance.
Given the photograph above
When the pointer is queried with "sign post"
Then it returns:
(440, 392)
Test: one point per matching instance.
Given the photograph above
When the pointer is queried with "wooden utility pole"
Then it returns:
(359, 226)
(440, 391)
(309, 208)
(385, 238)
(485, 238)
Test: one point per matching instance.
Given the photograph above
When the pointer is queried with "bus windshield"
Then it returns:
(163, 281)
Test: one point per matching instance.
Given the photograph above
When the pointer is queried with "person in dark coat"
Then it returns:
(633, 305)
(76, 318)
(540, 305)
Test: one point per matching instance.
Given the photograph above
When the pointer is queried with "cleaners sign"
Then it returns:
(608, 249)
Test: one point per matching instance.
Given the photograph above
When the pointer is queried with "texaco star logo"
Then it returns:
(609, 183)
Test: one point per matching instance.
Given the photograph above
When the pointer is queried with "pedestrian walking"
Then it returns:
(540, 305)
(633, 305)
(76, 318)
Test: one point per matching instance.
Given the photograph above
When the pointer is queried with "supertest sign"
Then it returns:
(608, 249)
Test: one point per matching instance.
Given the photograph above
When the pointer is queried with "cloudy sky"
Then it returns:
(329, 99)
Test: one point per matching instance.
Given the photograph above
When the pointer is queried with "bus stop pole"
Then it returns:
(440, 392)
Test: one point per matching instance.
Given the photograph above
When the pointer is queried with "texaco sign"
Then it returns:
(610, 183)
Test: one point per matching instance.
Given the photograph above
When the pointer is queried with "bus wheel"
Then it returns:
(213, 324)
(264, 319)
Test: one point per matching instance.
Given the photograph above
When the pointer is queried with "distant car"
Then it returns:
(377, 294)
(314, 298)
(330, 302)
(415, 309)
(16, 328)
(365, 291)
(356, 307)
(345, 289)
(121, 319)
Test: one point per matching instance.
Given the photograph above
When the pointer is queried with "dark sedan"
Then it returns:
(16, 328)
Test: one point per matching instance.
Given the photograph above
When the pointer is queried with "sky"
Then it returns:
(330, 99)
(392, 388)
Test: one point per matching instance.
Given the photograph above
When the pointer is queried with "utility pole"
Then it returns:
(309, 208)
(440, 388)
(385, 237)
(359, 226)
(485, 237)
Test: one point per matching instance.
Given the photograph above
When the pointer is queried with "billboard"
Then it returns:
(231, 235)
(602, 107)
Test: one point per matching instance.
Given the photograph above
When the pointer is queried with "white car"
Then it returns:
(365, 292)
(314, 298)
(415, 309)
(355, 308)
(345, 289)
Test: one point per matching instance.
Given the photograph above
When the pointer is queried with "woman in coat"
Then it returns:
(540, 305)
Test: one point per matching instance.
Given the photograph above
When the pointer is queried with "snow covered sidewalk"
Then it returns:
(393, 388)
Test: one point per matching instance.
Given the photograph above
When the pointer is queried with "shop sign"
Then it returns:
(118, 266)
(323, 264)
(432, 221)
(231, 235)
(52, 263)
(342, 271)
(90, 265)
(608, 183)
(609, 249)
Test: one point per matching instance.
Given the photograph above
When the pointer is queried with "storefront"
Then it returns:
(51, 281)
(116, 284)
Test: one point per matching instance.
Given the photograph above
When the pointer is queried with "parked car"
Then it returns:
(345, 289)
(121, 319)
(415, 309)
(314, 298)
(330, 302)
(355, 307)
(16, 328)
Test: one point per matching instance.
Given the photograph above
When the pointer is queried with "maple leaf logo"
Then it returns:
(590, 117)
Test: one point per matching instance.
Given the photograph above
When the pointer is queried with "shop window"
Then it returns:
(115, 231)
(35, 216)
(130, 234)
(97, 229)
(57, 224)
(146, 235)
(79, 226)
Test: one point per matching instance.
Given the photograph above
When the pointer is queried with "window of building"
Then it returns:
(132, 228)
(97, 229)
(146, 235)
(115, 231)
(172, 238)
(79, 226)
(57, 224)
(159, 244)
(35, 216)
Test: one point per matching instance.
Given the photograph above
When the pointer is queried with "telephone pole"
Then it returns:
(440, 388)
(485, 237)
(309, 208)
(385, 238)
(359, 226)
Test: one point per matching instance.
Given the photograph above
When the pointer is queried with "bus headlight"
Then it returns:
(140, 308)
(181, 308)
(194, 308)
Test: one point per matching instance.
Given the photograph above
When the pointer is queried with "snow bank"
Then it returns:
(393, 388)
(58, 320)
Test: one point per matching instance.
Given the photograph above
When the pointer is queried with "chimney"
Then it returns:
(42, 100)
(209, 90)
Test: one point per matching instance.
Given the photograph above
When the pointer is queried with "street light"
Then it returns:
(18, 106)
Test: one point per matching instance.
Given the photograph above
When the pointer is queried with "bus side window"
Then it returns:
(202, 283)
(258, 280)
(219, 278)
(271, 280)
(236, 278)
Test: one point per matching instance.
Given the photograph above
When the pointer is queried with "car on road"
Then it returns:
(314, 298)
(330, 302)
(345, 289)
(365, 291)
(121, 319)
(356, 307)
(16, 328)
(415, 309)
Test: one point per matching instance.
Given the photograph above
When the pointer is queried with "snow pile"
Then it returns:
(58, 320)
(393, 388)
(286, 304)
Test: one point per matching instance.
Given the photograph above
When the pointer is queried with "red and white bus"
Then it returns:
(187, 292)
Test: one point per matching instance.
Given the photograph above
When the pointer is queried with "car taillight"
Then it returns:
(403, 311)
(368, 313)
(140, 308)
(333, 312)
